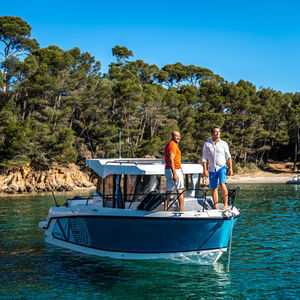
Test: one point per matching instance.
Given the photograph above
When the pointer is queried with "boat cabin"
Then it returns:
(122, 182)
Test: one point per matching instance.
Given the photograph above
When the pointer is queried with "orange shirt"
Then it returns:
(172, 147)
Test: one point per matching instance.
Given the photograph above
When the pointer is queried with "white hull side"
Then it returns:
(204, 257)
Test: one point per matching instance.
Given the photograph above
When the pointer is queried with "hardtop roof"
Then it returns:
(136, 166)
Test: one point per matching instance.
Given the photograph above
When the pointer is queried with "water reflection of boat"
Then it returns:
(294, 180)
(125, 218)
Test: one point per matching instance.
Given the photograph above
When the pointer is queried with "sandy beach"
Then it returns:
(278, 172)
(261, 177)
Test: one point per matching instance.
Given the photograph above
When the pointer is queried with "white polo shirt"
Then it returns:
(215, 154)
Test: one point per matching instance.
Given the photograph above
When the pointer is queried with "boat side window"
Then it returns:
(132, 187)
(99, 185)
(129, 186)
(108, 187)
(105, 186)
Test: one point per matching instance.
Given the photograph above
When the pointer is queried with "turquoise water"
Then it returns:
(265, 261)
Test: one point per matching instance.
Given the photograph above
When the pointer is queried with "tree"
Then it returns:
(176, 74)
(293, 117)
(195, 74)
(15, 145)
(274, 123)
(147, 73)
(121, 53)
(15, 34)
(242, 118)
(55, 85)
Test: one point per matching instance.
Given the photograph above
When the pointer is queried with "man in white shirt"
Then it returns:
(216, 154)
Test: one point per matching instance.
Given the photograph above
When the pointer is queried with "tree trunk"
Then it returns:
(261, 161)
(4, 88)
(153, 128)
(143, 129)
(72, 118)
(24, 106)
(245, 158)
(56, 106)
(297, 141)
(6, 51)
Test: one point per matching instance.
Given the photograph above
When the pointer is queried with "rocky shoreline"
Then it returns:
(35, 179)
(29, 179)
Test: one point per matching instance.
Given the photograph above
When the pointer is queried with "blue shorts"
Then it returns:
(217, 177)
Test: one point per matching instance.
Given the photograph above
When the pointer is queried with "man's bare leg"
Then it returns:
(167, 201)
(181, 199)
(224, 195)
(215, 197)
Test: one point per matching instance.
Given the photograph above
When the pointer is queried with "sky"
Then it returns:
(257, 41)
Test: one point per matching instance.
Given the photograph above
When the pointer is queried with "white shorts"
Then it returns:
(171, 185)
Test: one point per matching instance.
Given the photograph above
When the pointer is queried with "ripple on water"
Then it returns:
(265, 257)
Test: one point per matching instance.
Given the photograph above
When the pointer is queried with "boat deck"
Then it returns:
(190, 204)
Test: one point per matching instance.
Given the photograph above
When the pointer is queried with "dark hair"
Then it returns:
(214, 127)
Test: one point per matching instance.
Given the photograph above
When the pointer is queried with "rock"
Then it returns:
(69, 188)
(40, 188)
(29, 188)
(14, 187)
(38, 178)
(22, 189)
(6, 190)
(25, 170)
(11, 179)
(28, 179)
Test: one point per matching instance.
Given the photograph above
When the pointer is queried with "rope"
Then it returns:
(230, 243)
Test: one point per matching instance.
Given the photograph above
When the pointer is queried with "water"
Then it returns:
(265, 257)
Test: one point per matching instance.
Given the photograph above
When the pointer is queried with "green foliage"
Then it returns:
(15, 35)
(63, 150)
(14, 136)
(121, 53)
(57, 102)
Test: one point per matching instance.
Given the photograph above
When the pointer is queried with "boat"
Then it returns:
(125, 218)
(294, 180)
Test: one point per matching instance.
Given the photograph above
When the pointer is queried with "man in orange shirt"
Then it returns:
(173, 171)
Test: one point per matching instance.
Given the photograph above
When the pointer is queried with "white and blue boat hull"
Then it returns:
(187, 239)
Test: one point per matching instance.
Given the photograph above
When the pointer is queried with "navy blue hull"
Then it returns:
(144, 235)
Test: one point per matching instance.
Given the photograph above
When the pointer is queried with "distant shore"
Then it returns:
(261, 177)
(27, 179)
(276, 172)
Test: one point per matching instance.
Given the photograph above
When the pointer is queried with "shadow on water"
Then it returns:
(265, 257)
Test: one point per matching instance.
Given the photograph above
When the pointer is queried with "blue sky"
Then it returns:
(258, 41)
